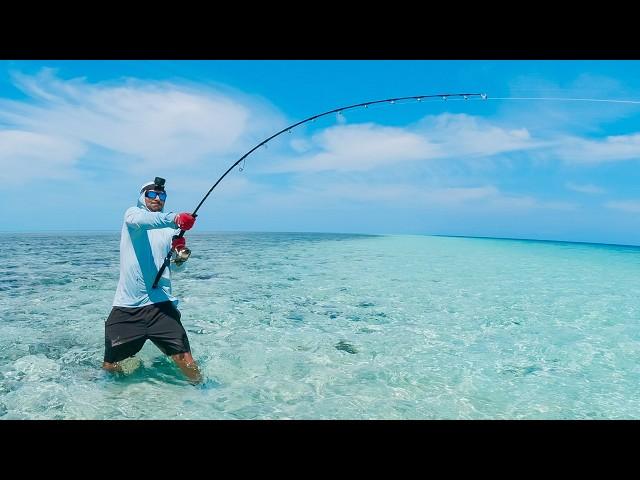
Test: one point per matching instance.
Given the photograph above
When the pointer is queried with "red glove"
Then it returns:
(184, 221)
(179, 243)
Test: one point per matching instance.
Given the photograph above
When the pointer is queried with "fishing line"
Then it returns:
(633, 102)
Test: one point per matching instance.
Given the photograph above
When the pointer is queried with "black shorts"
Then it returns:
(127, 329)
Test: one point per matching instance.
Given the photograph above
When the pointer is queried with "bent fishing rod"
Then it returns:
(417, 98)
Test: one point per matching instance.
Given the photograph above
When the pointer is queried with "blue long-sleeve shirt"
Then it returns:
(144, 243)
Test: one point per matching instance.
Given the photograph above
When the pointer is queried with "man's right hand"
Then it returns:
(184, 221)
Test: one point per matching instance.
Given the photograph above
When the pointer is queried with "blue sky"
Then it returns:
(78, 138)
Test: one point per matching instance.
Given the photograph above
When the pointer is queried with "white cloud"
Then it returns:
(611, 149)
(155, 124)
(300, 145)
(359, 148)
(26, 155)
(462, 135)
(367, 146)
(585, 188)
(632, 206)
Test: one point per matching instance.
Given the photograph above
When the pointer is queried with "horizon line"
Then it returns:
(6, 232)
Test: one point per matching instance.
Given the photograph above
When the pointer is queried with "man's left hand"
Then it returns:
(179, 243)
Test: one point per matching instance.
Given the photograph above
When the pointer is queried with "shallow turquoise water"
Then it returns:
(322, 326)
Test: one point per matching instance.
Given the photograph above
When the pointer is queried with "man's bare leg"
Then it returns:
(112, 367)
(188, 366)
(126, 366)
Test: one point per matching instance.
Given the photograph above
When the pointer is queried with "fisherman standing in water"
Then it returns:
(141, 312)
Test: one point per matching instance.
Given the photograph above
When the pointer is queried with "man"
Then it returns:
(141, 312)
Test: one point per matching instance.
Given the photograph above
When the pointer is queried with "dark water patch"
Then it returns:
(521, 371)
(95, 286)
(305, 303)
(205, 276)
(502, 322)
(366, 304)
(345, 347)
(85, 277)
(8, 266)
(10, 280)
(53, 281)
(378, 318)
(7, 284)
(296, 316)
(242, 300)
(366, 330)
(274, 264)
(99, 262)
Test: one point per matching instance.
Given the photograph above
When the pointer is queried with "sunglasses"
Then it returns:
(153, 194)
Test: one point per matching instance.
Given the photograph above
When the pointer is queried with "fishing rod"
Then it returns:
(418, 98)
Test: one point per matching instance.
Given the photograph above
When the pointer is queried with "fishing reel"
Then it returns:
(181, 256)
